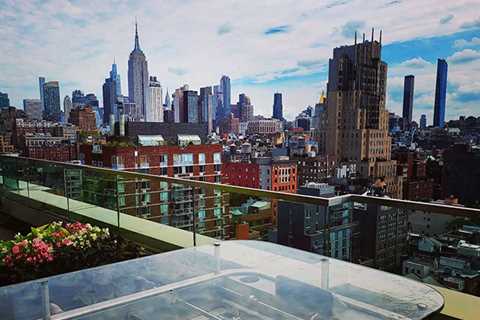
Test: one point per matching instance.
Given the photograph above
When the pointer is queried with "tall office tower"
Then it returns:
(205, 112)
(212, 109)
(109, 100)
(245, 108)
(33, 108)
(51, 96)
(440, 94)
(226, 92)
(357, 121)
(78, 99)
(217, 92)
(41, 82)
(154, 101)
(180, 114)
(168, 102)
(277, 106)
(67, 107)
(138, 77)
(190, 102)
(4, 100)
(116, 79)
(423, 121)
(408, 89)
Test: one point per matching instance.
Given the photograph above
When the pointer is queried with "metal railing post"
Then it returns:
(45, 300)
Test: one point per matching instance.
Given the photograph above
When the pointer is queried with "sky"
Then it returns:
(264, 46)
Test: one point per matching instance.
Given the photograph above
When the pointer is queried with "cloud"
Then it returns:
(446, 19)
(224, 28)
(393, 2)
(336, 3)
(471, 24)
(415, 63)
(464, 56)
(177, 71)
(348, 29)
(277, 29)
(310, 63)
(462, 43)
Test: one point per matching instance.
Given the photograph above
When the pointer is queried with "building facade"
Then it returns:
(138, 78)
(33, 108)
(84, 118)
(277, 106)
(226, 96)
(241, 174)
(264, 127)
(440, 94)
(67, 107)
(357, 120)
(155, 101)
(4, 100)
(51, 92)
(408, 94)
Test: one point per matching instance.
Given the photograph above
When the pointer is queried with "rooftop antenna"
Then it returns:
(381, 36)
(364, 37)
(355, 37)
(373, 30)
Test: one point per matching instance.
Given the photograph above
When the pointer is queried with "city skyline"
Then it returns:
(256, 52)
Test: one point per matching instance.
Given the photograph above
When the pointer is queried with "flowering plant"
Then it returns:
(45, 245)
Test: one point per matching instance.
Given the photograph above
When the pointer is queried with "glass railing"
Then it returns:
(231, 280)
(419, 240)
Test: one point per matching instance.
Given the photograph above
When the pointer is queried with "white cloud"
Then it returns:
(462, 43)
(464, 56)
(75, 42)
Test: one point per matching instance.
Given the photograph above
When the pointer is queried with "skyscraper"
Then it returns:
(440, 94)
(112, 91)
(138, 77)
(226, 93)
(33, 108)
(357, 120)
(217, 92)
(277, 106)
(4, 100)
(51, 96)
(78, 99)
(205, 112)
(154, 101)
(41, 82)
(408, 89)
(67, 107)
(245, 108)
(116, 78)
(190, 101)
(423, 121)
(168, 101)
(180, 114)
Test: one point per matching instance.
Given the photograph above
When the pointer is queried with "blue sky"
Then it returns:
(264, 46)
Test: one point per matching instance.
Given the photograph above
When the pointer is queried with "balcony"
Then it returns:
(237, 280)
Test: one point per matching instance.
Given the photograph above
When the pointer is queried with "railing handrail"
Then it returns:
(291, 197)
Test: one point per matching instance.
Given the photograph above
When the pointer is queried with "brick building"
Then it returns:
(242, 174)
(84, 118)
(164, 202)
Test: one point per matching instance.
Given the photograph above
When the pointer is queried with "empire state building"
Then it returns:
(138, 77)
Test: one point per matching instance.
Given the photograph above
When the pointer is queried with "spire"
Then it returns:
(137, 43)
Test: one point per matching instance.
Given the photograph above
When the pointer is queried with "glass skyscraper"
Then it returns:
(408, 90)
(440, 94)
(51, 96)
(226, 92)
(277, 106)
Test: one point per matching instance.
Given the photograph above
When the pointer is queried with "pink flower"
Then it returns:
(67, 242)
(16, 249)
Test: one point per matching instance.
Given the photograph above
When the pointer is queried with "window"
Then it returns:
(218, 167)
(164, 160)
(217, 157)
(187, 158)
(201, 168)
(201, 158)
